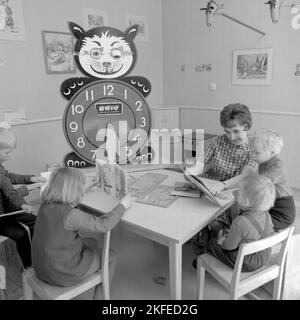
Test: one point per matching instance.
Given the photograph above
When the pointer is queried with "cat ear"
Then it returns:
(132, 31)
(76, 30)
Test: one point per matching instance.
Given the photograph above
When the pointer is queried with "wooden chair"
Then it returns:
(31, 284)
(240, 283)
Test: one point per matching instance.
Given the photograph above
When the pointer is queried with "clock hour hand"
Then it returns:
(70, 86)
(140, 83)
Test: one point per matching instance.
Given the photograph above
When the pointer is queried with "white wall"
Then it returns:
(188, 41)
(25, 84)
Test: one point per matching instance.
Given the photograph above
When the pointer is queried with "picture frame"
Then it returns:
(58, 52)
(12, 20)
(142, 22)
(252, 67)
(93, 18)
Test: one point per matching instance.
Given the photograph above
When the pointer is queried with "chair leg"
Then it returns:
(277, 288)
(28, 292)
(200, 279)
(2, 283)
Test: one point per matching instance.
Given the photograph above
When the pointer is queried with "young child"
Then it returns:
(12, 200)
(60, 256)
(228, 158)
(267, 145)
(256, 195)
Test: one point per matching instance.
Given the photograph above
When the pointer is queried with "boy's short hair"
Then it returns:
(65, 185)
(7, 139)
(235, 112)
(256, 192)
(268, 139)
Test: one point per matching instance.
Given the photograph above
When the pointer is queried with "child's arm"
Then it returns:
(16, 178)
(234, 236)
(233, 182)
(79, 220)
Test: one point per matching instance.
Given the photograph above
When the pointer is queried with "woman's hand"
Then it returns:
(28, 208)
(195, 169)
(127, 201)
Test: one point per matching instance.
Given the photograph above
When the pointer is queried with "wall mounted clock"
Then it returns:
(107, 96)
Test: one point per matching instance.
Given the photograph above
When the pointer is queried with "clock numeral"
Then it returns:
(139, 105)
(77, 109)
(138, 138)
(80, 143)
(94, 152)
(89, 95)
(73, 126)
(128, 151)
(143, 122)
(108, 90)
(125, 94)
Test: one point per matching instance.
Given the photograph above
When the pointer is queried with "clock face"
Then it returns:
(101, 103)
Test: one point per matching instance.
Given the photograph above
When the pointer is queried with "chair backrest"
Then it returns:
(282, 237)
(45, 291)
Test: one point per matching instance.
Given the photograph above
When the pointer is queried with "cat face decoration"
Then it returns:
(106, 97)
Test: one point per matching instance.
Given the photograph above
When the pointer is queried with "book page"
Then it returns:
(204, 185)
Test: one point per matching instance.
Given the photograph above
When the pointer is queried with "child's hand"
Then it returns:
(38, 179)
(127, 201)
(91, 183)
(33, 186)
(28, 208)
(217, 188)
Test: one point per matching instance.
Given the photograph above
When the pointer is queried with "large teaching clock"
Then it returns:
(104, 102)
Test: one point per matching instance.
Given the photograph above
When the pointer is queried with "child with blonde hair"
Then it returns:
(255, 196)
(267, 144)
(60, 256)
(11, 199)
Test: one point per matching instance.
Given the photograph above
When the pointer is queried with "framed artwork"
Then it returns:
(94, 18)
(58, 52)
(12, 20)
(252, 67)
(143, 34)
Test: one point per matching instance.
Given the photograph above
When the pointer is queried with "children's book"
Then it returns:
(186, 189)
(112, 179)
(205, 184)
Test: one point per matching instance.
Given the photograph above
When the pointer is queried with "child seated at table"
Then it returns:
(11, 200)
(267, 144)
(255, 196)
(60, 256)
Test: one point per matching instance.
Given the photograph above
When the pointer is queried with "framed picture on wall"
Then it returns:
(58, 52)
(12, 20)
(252, 67)
(142, 22)
(94, 18)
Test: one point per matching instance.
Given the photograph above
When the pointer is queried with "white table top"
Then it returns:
(179, 222)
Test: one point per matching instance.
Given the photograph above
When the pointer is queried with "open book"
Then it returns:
(204, 185)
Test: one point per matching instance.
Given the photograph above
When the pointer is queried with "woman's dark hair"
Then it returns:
(238, 112)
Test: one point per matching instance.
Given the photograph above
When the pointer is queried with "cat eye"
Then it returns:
(95, 53)
(116, 53)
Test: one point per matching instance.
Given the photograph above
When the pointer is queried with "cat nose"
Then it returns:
(106, 64)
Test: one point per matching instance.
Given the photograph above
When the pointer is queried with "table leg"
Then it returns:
(175, 266)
